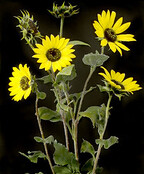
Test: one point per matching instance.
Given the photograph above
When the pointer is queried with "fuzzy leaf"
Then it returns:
(46, 79)
(62, 170)
(107, 143)
(87, 147)
(94, 59)
(91, 113)
(34, 155)
(41, 95)
(62, 157)
(48, 114)
(77, 42)
(47, 140)
(66, 74)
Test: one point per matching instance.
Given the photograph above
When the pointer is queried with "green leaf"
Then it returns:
(87, 147)
(63, 157)
(77, 42)
(66, 74)
(62, 170)
(107, 143)
(41, 95)
(47, 140)
(94, 59)
(48, 114)
(97, 116)
(88, 166)
(91, 113)
(34, 155)
(46, 79)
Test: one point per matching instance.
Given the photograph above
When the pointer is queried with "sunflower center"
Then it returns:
(24, 83)
(118, 83)
(110, 35)
(53, 54)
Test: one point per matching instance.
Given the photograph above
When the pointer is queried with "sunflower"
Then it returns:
(20, 83)
(110, 33)
(117, 82)
(54, 52)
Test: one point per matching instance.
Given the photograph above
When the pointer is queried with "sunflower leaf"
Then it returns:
(94, 59)
(77, 42)
(48, 114)
(87, 147)
(107, 143)
(66, 74)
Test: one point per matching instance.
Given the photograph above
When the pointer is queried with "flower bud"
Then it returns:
(63, 10)
(28, 28)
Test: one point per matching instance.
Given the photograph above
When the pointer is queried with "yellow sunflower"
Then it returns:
(116, 80)
(54, 52)
(110, 33)
(20, 83)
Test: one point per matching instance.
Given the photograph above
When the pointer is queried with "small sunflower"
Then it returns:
(110, 33)
(54, 52)
(117, 82)
(20, 83)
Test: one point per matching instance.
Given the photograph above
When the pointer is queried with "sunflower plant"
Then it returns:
(56, 54)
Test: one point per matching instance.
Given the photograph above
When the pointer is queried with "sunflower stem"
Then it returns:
(62, 113)
(61, 26)
(102, 135)
(42, 135)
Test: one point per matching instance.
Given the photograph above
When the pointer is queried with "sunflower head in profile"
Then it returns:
(116, 82)
(54, 53)
(20, 83)
(110, 33)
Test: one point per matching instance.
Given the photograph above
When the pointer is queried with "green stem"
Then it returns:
(62, 113)
(102, 135)
(42, 135)
(61, 26)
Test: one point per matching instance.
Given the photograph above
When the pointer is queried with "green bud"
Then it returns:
(29, 28)
(63, 10)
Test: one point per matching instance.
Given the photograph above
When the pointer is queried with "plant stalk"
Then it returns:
(61, 26)
(102, 135)
(42, 135)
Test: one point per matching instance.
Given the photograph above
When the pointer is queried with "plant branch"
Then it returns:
(102, 135)
(61, 26)
(42, 135)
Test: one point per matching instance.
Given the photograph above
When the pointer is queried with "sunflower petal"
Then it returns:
(122, 28)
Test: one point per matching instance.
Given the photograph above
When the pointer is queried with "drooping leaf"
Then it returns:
(48, 114)
(34, 155)
(63, 157)
(47, 140)
(94, 59)
(87, 147)
(46, 79)
(91, 113)
(77, 42)
(66, 74)
(107, 143)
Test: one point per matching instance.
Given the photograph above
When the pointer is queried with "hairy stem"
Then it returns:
(42, 135)
(102, 135)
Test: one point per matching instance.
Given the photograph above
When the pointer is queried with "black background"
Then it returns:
(18, 124)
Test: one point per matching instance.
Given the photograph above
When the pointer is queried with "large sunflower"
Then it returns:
(54, 52)
(110, 33)
(117, 82)
(20, 83)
